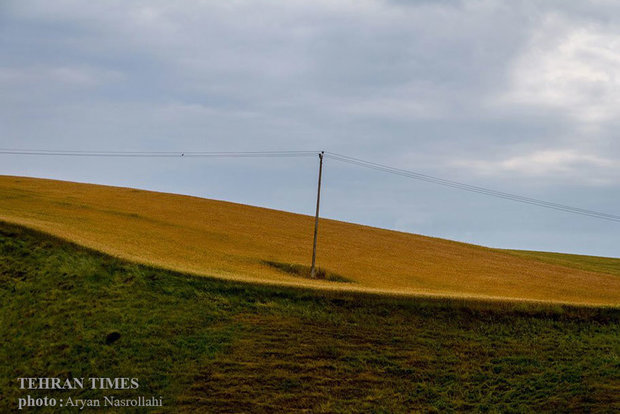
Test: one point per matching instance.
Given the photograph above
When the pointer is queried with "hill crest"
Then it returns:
(235, 241)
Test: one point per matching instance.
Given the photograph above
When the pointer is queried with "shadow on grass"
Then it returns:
(304, 271)
(221, 346)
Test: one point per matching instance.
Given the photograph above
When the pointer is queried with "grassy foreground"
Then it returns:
(220, 346)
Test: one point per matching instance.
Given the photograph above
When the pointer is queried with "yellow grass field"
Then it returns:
(228, 240)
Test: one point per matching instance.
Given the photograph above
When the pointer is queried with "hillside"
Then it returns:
(233, 241)
(217, 346)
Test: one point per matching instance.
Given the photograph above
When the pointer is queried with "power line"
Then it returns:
(471, 188)
(162, 154)
(334, 156)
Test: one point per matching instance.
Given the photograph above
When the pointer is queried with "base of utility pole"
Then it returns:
(316, 217)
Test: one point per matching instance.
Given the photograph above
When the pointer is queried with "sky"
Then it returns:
(520, 96)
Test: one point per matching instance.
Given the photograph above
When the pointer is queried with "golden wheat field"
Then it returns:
(233, 241)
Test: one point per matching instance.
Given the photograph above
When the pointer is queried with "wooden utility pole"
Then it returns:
(316, 218)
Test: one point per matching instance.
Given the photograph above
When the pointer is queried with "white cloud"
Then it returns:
(570, 66)
(583, 167)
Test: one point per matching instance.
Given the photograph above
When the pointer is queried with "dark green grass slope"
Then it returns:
(215, 346)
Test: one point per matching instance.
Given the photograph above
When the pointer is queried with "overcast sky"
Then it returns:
(518, 96)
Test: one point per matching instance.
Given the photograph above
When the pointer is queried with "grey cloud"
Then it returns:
(470, 90)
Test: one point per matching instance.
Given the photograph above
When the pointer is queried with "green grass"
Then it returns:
(220, 346)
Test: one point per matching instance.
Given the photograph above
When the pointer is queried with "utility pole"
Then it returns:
(316, 218)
